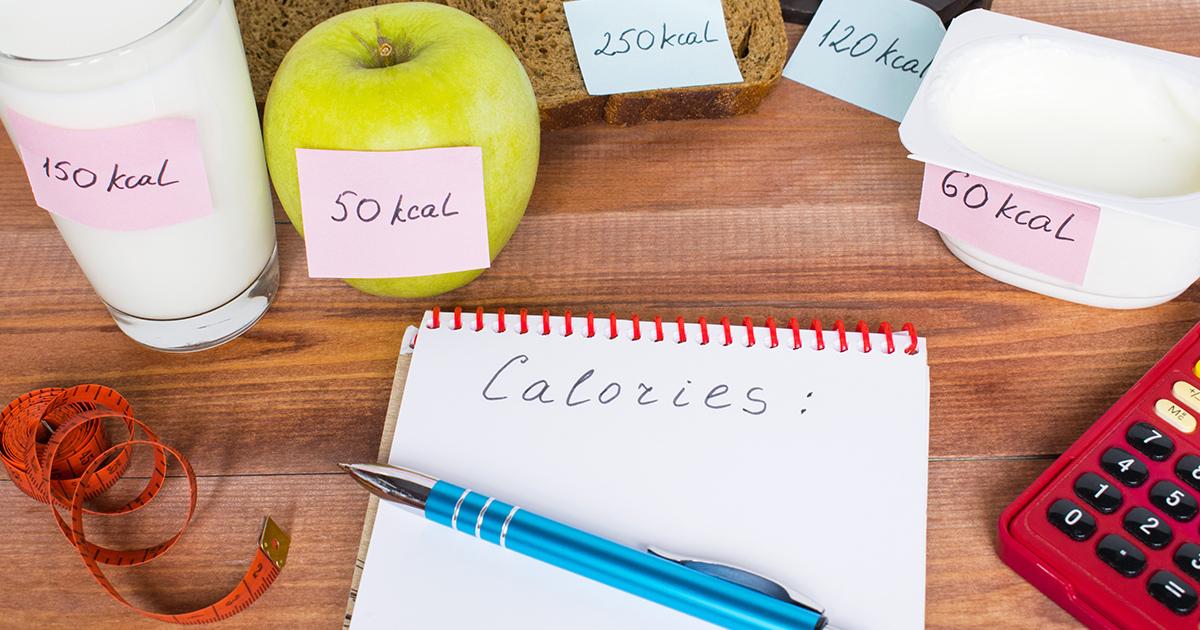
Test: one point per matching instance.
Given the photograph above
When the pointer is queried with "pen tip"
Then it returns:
(345, 467)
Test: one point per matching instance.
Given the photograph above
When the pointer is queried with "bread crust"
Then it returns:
(716, 101)
(573, 113)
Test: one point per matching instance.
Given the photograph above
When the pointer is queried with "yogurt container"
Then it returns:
(1101, 123)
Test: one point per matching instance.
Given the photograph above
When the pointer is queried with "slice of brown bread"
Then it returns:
(537, 31)
(760, 47)
(270, 27)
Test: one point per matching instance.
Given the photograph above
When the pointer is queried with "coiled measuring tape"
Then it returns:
(55, 449)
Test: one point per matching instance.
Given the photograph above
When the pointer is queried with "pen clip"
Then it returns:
(742, 577)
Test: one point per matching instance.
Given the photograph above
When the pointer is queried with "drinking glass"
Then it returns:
(147, 152)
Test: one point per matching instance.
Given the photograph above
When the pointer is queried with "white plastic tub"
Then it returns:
(1077, 116)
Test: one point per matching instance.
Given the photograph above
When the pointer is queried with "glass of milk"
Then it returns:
(138, 130)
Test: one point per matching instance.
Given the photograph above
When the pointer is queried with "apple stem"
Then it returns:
(384, 52)
(385, 49)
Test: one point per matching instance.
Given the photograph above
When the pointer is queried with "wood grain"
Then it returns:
(804, 208)
(968, 586)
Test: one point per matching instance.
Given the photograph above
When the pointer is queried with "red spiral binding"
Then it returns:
(912, 333)
(866, 335)
(772, 325)
(841, 332)
(886, 329)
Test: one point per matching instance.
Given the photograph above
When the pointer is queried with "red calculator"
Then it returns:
(1110, 531)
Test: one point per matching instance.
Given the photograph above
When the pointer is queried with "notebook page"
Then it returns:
(808, 466)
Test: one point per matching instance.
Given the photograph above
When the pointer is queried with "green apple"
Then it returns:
(411, 75)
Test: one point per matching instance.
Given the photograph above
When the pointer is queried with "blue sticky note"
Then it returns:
(872, 53)
(634, 45)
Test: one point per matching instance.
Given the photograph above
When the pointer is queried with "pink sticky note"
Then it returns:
(393, 214)
(1049, 234)
(136, 177)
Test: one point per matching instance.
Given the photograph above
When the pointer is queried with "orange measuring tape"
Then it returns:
(55, 449)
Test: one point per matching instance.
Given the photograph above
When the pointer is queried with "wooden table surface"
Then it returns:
(806, 207)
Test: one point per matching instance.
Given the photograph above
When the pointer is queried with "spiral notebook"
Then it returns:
(797, 452)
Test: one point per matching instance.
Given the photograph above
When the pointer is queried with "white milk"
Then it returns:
(194, 68)
(62, 29)
(1081, 117)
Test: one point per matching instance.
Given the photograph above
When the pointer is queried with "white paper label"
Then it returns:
(635, 45)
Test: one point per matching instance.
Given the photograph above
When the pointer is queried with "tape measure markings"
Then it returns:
(76, 463)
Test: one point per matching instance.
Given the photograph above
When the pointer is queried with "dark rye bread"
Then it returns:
(537, 31)
(270, 27)
(760, 46)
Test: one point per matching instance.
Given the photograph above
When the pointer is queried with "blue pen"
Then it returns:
(724, 595)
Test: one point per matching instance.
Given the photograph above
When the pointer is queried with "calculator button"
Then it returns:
(1121, 464)
(1187, 557)
(1071, 519)
(1121, 555)
(1172, 591)
(1147, 527)
(1175, 415)
(1145, 438)
(1098, 492)
(1170, 498)
(1188, 469)
(1187, 394)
